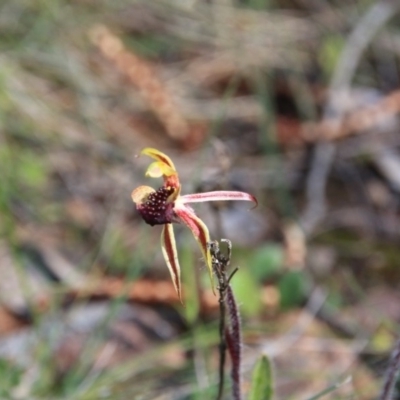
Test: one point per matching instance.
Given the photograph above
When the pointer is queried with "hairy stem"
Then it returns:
(222, 343)
(229, 329)
(234, 342)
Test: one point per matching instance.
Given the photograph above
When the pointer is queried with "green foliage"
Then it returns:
(262, 381)
(292, 289)
(25, 167)
(23, 177)
(266, 261)
(258, 265)
(384, 338)
(329, 53)
(10, 377)
(247, 292)
(32, 171)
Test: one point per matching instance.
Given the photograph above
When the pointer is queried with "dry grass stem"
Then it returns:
(144, 77)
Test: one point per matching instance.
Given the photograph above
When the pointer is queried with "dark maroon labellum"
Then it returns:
(155, 210)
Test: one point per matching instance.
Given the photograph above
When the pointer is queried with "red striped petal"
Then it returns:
(221, 195)
(168, 246)
(201, 234)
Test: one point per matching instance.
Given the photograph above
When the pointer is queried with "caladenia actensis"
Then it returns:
(166, 206)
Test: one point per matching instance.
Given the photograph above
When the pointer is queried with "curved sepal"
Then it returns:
(201, 234)
(162, 167)
(168, 247)
(220, 195)
(159, 156)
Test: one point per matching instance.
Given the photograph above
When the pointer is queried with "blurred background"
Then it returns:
(294, 101)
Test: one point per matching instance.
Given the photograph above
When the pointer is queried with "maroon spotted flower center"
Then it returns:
(156, 210)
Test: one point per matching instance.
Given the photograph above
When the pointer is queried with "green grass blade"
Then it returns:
(261, 388)
(330, 389)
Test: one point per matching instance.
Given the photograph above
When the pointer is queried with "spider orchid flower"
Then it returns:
(166, 206)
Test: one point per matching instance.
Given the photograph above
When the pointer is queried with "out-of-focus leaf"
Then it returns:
(329, 53)
(261, 383)
(10, 377)
(32, 170)
(266, 261)
(247, 292)
(291, 288)
(384, 338)
(27, 167)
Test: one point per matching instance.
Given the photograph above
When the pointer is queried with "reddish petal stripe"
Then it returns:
(200, 232)
(221, 195)
(168, 246)
(158, 155)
